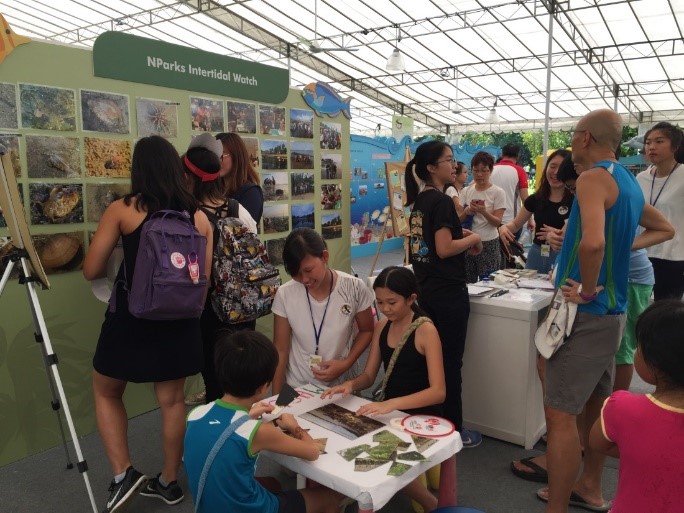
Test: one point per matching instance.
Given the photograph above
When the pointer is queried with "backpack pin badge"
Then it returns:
(193, 268)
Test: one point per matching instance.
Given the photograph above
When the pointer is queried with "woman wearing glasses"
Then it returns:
(486, 202)
(550, 206)
(437, 249)
(241, 179)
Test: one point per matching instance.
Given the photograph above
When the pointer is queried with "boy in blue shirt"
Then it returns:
(245, 365)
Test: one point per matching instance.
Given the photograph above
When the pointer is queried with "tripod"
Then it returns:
(49, 360)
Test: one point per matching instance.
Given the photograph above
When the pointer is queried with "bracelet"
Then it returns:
(586, 297)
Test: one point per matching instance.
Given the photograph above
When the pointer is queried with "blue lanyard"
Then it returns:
(317, 333)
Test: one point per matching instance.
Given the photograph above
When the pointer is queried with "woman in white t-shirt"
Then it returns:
(486, 203)
(663, 187)
(322, 319)
(460, 174)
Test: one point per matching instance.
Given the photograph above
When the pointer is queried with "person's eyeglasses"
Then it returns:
(225, 155)
(590, 134)
(571, 188)
(451, 161)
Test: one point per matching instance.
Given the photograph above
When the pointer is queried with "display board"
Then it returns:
(396, 191)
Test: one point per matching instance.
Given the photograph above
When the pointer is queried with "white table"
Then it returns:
(502, 395)
(372, 489)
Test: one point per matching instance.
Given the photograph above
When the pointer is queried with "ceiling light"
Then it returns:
(396, 59)
(493, 116)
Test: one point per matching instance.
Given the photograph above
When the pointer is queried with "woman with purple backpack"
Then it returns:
(139, 350)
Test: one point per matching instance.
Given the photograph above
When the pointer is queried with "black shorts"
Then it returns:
(291, 501)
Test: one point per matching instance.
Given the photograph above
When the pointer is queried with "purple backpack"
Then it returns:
(169, 281)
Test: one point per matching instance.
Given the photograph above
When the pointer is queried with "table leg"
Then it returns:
(447, 483)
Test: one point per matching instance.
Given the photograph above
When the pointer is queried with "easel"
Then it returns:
(30, 273)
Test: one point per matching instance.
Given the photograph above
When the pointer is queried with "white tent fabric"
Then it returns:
(461, 56)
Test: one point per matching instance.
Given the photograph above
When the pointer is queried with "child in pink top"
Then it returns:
(647, 431)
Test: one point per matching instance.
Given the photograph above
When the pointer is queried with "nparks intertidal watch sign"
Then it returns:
(137, 59)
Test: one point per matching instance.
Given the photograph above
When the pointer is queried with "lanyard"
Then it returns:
(317, 333)
(652, 202)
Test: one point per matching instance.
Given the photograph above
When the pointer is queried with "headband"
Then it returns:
(202, 175)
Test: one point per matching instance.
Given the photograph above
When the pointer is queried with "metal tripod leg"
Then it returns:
(50, 360)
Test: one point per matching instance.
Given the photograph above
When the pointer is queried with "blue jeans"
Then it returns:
(541, 263)
(451, 320)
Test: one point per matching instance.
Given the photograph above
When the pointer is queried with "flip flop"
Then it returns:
(577, 501)
(538, 476)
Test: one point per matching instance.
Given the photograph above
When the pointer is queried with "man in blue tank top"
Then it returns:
(592, 271)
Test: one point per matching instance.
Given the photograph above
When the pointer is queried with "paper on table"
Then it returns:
(535, 283)
(474, 290)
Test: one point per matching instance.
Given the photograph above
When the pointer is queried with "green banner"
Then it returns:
(137, 59)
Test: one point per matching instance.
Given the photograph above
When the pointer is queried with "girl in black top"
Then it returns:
(551, 207)
(436, 249)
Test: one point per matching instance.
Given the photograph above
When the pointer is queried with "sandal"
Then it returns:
(539, 474)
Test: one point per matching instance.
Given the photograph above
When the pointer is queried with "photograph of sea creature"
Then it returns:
(53, 157)
(105, 112)
(99, 196)
(156, 117)
(342, 421)
(11, 143)
(47, 108)
(206, 114)
(107, 157)
(60, 252)
(8, 106)
(56, 203)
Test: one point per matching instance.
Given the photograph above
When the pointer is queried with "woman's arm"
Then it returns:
(370, 372)
(600, 443)
(104, 241)
(445, 246)
(493, 217)
(657, 228)
(282, 340)
(427, 343)
(332, 369)
(507, 230)
(204, 227)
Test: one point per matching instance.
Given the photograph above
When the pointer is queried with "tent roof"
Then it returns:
(462, 56)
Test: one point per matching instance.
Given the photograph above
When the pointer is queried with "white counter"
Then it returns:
(502, 395)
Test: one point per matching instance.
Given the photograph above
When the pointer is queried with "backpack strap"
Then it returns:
(212, 455)
(233, 208)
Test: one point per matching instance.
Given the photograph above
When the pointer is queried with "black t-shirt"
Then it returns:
(548, 212)
(438, 278)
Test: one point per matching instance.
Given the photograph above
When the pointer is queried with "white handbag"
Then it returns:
(556, 326)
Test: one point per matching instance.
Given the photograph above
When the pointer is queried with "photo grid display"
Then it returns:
(71, 151)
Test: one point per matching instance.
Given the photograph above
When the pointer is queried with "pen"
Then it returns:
(499, 293)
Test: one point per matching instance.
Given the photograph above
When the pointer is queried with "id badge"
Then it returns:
(545, 250)
(315, 360)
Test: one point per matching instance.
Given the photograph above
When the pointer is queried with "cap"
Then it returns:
(207, 141)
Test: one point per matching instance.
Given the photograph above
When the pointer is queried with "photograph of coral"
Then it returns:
(53, 203)
(331, 226)
(11, 143)
(276, 218)
(275, 186)
(53, 157)
(105, 112)
(100, 196)
(275, 250)
(8, 106)
(342, 421)
(207, 115)
(60, 252)
(252, 144)
(331, 196)
(241, 118)
(47, 108)
(156, 117)
(107, 157)
(271, 120)
(303, 216)
(273, 154)
(301, 123)
(331, 136)
(331, 166)
(302, 186)
(301, 155)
